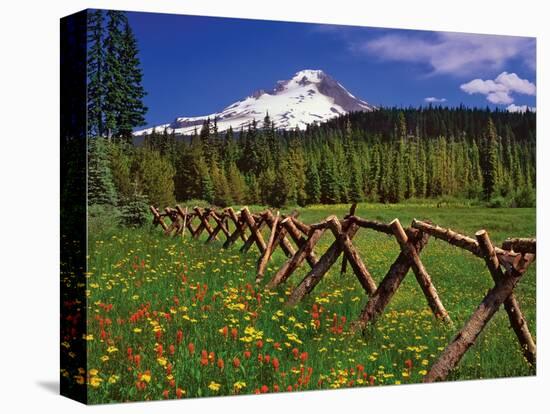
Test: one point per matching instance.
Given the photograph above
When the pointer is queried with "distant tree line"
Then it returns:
(388, 156)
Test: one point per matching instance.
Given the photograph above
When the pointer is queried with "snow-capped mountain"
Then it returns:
(309, 96)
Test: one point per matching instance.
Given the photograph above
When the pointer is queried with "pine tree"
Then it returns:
(330, 189)
(101, 188)
(132, 109)
(313, 184)
(135, 209)
(356, 186)
(155, 177)
(490, 161)
(96, 62)
(115, 90)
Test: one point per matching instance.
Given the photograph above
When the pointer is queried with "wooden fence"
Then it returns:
(506, 264)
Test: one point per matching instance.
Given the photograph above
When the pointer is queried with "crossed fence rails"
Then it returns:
(506, 264)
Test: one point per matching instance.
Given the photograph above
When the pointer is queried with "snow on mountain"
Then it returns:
(309, 96)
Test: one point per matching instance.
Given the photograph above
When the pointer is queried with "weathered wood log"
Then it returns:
(372, 224)
(511, 305)
(391, 282)
(294, 233)
(521, 245)
(422, 276)
(353, 257)
(240, 227)
(220, 227)
(256, 236)
(264, 258)
(462, 241)
(280, 239)
(467, 336)
(157, 219)
(323, 265)
(448, 235)
(295, 261)
(173, 215)
(183, 215)
(352, 210)
(304, 228)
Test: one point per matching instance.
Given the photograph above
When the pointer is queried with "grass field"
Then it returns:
(173, 318)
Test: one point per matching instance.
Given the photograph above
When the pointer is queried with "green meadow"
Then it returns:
(175, 318)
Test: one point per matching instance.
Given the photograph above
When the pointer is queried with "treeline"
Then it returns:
(385, 156)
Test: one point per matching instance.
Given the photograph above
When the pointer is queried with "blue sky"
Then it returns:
(198, 65)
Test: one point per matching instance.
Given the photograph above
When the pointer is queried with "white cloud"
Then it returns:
(434, 99)
(452, 53)
(520, 108)
(499, 90)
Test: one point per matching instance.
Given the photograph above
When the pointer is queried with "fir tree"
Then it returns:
(490, 161)
(114, 81)
(133, 110)
(101, 188)
(313, 184)
(96, 62)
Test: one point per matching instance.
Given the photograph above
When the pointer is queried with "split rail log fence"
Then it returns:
(506, 265)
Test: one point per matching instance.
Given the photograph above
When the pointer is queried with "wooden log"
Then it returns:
(389, 285)
(299, 239)
(448, 235)
(172, 214)
(422, 276)
(511, 305)
(194, 232)
(264, 258)
(280, 239)
(183, 215)
(467, 336)
(240, 227)
(220, 227)
(505, 257)
(203, 217)
(251, 240)
(304, 228)
(521, 245)
(255, 228)
(157, 219)
(353, 257)
(373, 225)
(352, 210)
(295, 261)
(323, 265)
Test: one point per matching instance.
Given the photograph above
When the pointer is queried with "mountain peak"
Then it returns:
(310, 96)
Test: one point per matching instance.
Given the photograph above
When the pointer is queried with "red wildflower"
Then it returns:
(191, 348)
(260, 343)
(179, 336)
(220, 363)
(236, 362)
(275, 363)
(247, 354)
(234, 333)
(304, 356)
(172, 349)
(166, 394)
(179, 392)
(295, 352)
(264, 389)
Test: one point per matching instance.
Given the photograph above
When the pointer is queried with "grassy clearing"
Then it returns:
(174, 318)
